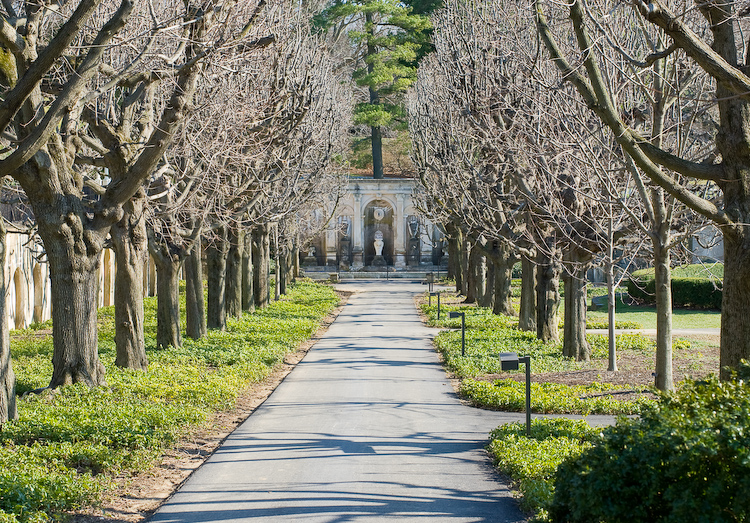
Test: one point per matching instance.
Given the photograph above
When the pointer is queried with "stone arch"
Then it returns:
(20, 291)
(378, 217)
(39, 284)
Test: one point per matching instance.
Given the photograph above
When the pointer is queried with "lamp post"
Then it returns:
(463, 329)
(510, 361)
(438, 302)
(430, 280)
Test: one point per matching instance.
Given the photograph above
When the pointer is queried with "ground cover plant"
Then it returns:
(532, 461)
(69, 443)
(485, 385)
(560, 386)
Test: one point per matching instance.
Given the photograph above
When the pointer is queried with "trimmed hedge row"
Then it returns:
(687, 291)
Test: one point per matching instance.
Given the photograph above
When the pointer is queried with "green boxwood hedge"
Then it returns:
(686, 459)
(692, 286)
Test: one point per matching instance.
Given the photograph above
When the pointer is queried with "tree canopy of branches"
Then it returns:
(703, 40)
(93, 93)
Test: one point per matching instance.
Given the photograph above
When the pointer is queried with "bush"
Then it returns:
(687, 459)
(692, 286)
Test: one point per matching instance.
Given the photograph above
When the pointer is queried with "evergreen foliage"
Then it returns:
(686, 459)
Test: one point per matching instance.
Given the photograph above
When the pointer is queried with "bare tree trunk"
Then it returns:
(261, 265)
(233, 289)
(465, 266)
(294, 261)
(489, 293)
(503, 277)
(527, 307)
(74, 283)
(167, 297)
(610, 266)
(455, 241)
(7, 377)
(548, 292)
(283, 275)
(216, 266)
(195, 314)
(277, 263)
(472, 273)
(663, 281)
(248, 296)
(735, 320)
(130, 243)
(574, 328)
(482, 288)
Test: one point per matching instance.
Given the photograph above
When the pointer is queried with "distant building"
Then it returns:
(373, 211)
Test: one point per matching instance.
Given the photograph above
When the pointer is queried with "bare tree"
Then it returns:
(674, 35)
(57, 110)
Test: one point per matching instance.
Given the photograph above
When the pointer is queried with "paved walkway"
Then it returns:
(366, 428)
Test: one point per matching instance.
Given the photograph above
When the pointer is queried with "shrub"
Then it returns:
(687, 459)
(692, 286)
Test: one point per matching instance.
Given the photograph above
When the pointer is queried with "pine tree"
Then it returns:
(388, 39)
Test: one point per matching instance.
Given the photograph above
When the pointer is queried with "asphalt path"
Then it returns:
(366, 428)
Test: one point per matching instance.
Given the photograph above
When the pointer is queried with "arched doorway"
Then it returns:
(378, 219)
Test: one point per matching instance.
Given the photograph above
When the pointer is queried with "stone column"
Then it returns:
(332, 245)
(358, 234)
(399, 233)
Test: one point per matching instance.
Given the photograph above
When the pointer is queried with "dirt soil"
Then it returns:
(136, 498)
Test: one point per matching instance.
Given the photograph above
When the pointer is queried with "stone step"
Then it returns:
(419, 275)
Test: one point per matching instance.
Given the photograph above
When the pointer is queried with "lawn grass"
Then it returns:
(68, 444)
(643, 315)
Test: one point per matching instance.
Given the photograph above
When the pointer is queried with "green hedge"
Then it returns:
(692, 286)
(686, 459)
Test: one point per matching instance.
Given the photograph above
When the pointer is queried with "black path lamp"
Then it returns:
(510, 361)
(463, 329)
(430, 280)
(437, 293)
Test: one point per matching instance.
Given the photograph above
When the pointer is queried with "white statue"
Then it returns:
(379, 243)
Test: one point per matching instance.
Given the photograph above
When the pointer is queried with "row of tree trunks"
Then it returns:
(7, 378)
